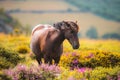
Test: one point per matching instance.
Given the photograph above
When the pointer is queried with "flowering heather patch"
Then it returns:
(42, 72)
(83, 70)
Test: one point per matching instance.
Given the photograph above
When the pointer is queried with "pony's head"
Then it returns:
(70, 31)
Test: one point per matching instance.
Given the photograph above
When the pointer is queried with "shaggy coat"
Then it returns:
(46, 40)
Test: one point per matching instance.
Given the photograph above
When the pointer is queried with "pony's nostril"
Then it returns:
(76, 47)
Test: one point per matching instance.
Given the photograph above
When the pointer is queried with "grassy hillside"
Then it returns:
(105, 8)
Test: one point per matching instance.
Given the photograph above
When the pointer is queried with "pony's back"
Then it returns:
(41, 27)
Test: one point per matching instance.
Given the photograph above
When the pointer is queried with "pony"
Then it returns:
(47, 40)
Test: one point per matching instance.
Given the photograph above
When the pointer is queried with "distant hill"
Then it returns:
(7, 23)
(109, 9)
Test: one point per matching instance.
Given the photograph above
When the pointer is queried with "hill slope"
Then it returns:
(7, 23)
(106, 8)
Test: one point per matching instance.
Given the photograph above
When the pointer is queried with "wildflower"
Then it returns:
(74, 54)
(82, 70)
(91, 55)
(34, 72)
(71, 78)
(75, 61)
(21, 67)
(9, 72)
(66, 54)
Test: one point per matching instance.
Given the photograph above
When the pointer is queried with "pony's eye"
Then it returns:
(68, 25)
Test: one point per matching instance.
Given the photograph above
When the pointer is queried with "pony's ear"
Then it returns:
(63, 21)
(59, 25)
(62, 25)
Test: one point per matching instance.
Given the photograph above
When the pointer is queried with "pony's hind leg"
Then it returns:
(36, 50)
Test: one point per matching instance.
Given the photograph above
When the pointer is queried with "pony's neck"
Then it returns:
(59, 40)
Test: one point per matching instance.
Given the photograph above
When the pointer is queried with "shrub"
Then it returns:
(22, 49)
(34, 72)
(111, 36)
(90, 59)
(105, 59)
(8, 58)
(92, 33)
(101, 73)
(70, 75)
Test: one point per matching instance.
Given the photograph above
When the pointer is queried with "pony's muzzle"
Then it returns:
(76, 46)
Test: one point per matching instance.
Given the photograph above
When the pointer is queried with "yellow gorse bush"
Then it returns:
(23, 49)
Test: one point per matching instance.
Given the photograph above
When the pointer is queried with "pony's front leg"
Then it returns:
(57, 59)
(47, 59)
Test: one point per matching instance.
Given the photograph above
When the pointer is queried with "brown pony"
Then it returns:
(47, 40)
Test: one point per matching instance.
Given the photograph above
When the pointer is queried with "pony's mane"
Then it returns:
(70, 24)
